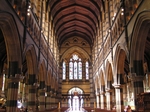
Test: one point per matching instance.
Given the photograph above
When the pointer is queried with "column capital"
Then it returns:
(17, 78)
(108, 90)
(139, 78)
(42, 90)
(134, 77)
(117, 86)
(97, 94)
(102, 93)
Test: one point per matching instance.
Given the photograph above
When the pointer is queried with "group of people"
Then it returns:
(127, 109)
(22, 109)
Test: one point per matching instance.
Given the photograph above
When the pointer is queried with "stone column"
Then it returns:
(97, 100)
(108, 99)
(119, 98)
(137, 76)
(56, 99)
(48, 99)
(41, 99)
(148, 81)
(102, 100)
(12, 94)
(52, 99)
(137, 86)
(32, 86)
(31, 104)
(14, 76)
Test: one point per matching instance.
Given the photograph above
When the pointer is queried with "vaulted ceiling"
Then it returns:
(75, 18)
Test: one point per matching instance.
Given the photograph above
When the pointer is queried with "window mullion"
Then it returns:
(73, 70)
(77, 69)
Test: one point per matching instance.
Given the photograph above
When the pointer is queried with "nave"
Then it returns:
(76, 110)
(53, 50)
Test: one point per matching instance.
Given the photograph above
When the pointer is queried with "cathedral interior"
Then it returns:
(74, 55)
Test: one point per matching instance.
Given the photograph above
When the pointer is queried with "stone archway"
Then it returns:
(10, 57)
(12, 40)
(97, 92)
(30, 70)
(76, 99)
(42, 79)
(121, 72)
(140, 54)
(102, 90)
(110, 91)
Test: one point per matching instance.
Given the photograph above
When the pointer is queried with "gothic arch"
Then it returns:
(119, 63)
(76, 87)
(109, 75)
(102, 80)
(97, 86)
(31, 58)
(48, 78)
(12, 40)
(42, 73)
(51, 76)
(139, 37)
(73, 49)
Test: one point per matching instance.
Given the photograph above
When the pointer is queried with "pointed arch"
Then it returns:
(12, 41)
(119, 64)
(76, 49)
(102, 81)
(31, 58)
(139, 38)
(109, 75)
(42, 76)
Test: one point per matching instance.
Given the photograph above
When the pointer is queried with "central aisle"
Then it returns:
(81, 110)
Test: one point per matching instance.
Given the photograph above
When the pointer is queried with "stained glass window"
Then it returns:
(70, 70)
(75, 68)
(75, 57)
(87, 70)
(64, 71)
(80, 70)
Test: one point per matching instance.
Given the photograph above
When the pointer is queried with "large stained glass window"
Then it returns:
(71, 70)
(75, 68)
(64, 71)
(80, 70)
(87, 70)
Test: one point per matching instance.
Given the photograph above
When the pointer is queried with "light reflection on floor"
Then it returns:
(75, 111)
(81, 110)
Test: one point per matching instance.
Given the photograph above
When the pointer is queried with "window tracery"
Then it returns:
(76, 68)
